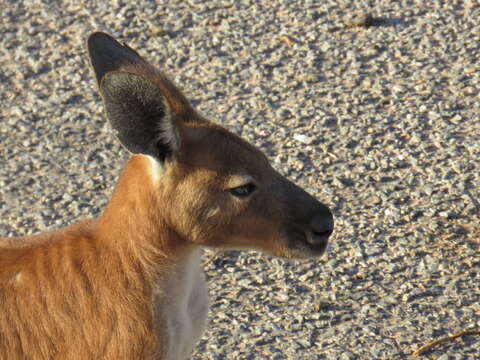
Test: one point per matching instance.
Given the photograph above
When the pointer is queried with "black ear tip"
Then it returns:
(100, 40)
(107, 54)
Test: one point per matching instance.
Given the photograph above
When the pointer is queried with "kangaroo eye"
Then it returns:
(243, 191)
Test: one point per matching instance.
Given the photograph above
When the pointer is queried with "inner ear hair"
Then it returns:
(139, 114)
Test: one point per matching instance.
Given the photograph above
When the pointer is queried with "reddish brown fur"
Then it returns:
(91, 291)
(111, 258)
(119, 258)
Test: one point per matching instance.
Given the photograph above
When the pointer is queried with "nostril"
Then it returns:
(319, 238)
(324, 233)
(321, 228)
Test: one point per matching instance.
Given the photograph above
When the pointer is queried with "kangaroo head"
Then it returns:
(212, 188)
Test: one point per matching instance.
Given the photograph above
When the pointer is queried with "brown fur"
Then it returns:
(91, 291)
(85, 292)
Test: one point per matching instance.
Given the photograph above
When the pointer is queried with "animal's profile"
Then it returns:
(128, 285)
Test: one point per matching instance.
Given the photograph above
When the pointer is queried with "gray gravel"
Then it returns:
(380, 120)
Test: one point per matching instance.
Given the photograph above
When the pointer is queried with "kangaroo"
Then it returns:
(129, 284)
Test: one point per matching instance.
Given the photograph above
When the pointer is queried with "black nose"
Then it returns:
(321, 227)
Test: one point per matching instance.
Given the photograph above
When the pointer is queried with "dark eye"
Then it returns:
(243, 191)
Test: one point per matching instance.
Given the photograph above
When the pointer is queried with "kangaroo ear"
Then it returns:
(107, 54)
(139, 114)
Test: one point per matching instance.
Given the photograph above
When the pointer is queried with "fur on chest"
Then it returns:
(181, 307)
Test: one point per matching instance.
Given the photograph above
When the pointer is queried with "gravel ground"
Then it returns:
(373, 106)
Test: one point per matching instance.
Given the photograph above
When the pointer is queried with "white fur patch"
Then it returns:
(156, 168)
(181, 302)
(18, 277)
